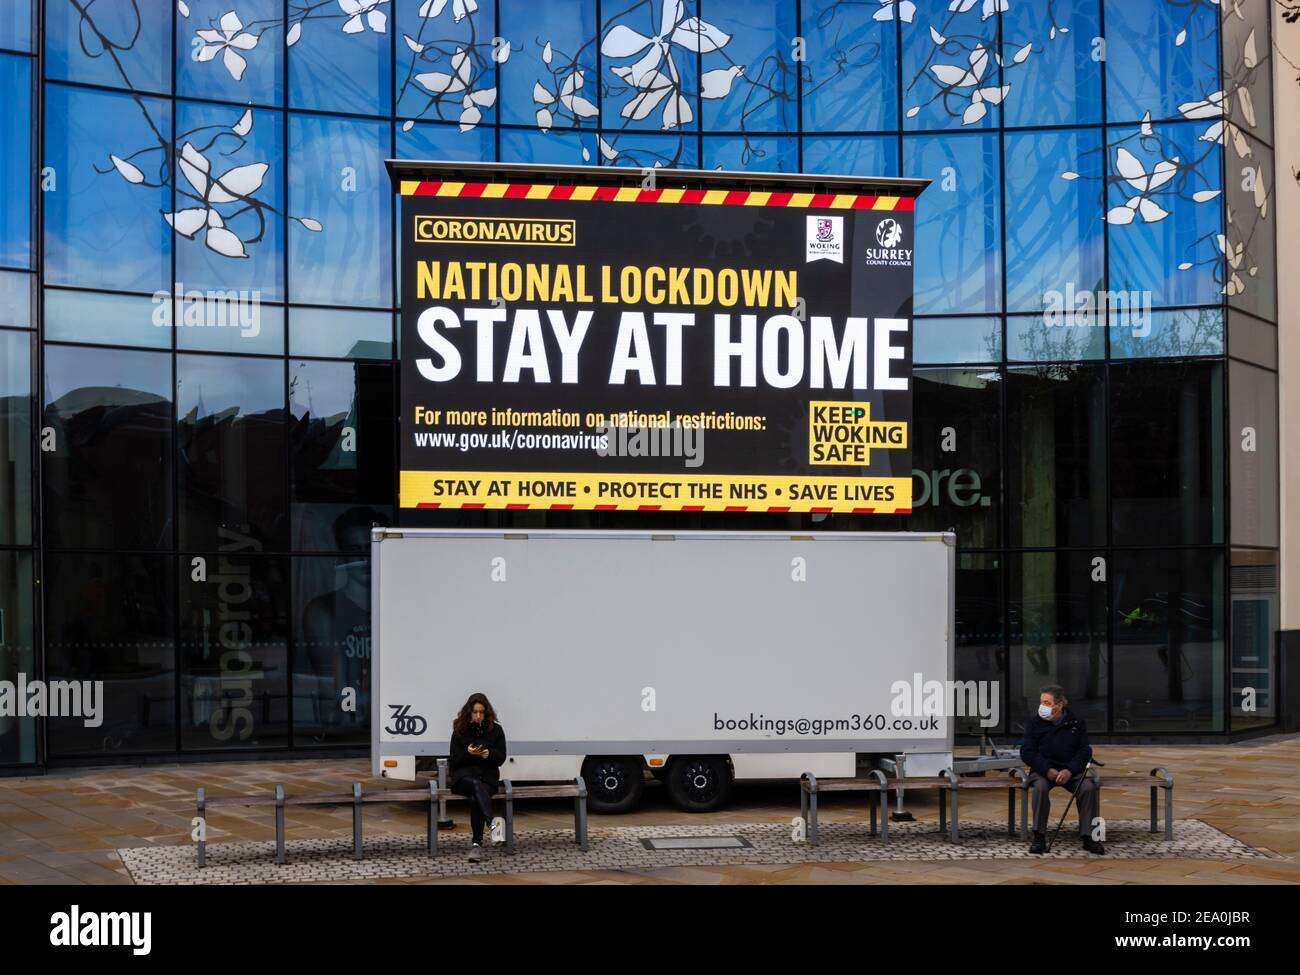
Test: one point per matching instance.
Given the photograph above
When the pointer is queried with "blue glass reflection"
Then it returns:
(950, 74)
(340, 61)
(1164, 219)
(572, 148)
(850, 77)
(1054, 227)
(231, 52)
(549, 44)
(104, 225)
(119, 43)
(650, 61)
(337, 181)
(958, 225)
(16, 25)
(16, 162)
(233, 169)
(1058, 82)
(1055, 337)
(431, 140)
(1159, 55)
(751, 83)
(752, 154)
(446, 63)
(867, 155)
(646, 151)
(954, 341)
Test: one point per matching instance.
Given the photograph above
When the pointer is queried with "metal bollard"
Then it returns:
(356, 820)
(444, 821)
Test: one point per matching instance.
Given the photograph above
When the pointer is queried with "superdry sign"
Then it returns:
(677, 349)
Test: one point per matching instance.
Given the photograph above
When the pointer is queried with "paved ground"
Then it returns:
(1238, 811)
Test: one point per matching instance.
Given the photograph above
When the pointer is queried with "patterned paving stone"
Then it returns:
(620, 848)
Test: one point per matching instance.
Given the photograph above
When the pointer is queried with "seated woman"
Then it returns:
(477, 750)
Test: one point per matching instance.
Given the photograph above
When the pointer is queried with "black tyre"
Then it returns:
(614, 784)
(699, 783)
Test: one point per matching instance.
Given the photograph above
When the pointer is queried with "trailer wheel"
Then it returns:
(614, 784)
(700, 783)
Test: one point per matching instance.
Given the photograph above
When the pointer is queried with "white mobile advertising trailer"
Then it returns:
(703, 657)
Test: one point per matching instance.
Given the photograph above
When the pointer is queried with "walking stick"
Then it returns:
(1075, 791)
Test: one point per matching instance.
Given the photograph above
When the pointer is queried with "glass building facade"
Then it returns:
(187, 483)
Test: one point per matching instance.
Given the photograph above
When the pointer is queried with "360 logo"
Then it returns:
(403, 722)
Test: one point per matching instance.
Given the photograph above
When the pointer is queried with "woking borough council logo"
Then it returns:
(825, 239)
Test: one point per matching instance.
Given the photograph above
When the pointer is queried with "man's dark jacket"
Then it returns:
(1063, 745)
(461, 764)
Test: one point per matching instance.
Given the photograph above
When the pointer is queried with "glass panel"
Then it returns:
(118, 43)
(551, 43)
(16, 25)
(15, 439)
(1252, 340)
(16, 161)
(104, 225)
(231, 54)
(250, 327)
(112, 618)
(1058, 634)
(17, 653)
(979, 654)
(234, 651)
(872, 155)
(651, 67)
(105, 319)
(750, 84)
(1165, 214)
(228, 216)
(1059, 81)
(1253, 454)
(16, 298)
(1054, 229)
(956, 454)
(959, 215)
(339, 60)
(341, 334)
(752, 154)
(571, 148)
(849, 56)
(1168, 640)
(1148, 335)
(427, 140)
(645, 151)
(1254, 635)
(337, 180)
(341, 443)
(1166, 441)
(1251, 281)
(332, 650)
(950, 72)
(108, 480)
(1055, 336)
(231, 440)
(1159, 55)
(448, 58)
(1056, 456)
(947, 341)
(1248, 64)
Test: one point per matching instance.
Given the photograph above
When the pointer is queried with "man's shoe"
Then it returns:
(1039, 846)
(475, 853)
(498, 831)
(1092, 846)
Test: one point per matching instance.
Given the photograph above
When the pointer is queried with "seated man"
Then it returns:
(1056, 750)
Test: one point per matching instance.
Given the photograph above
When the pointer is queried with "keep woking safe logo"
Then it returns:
(102, 929)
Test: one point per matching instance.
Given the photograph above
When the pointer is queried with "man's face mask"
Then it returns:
(1045, 712)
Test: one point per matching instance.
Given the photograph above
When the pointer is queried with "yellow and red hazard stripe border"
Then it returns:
(634, 194)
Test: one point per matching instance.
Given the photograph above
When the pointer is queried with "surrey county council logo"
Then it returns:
(889, 235)
(889, 232)
(825, 239)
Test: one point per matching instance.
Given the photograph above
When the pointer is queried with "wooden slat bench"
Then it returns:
(508, 793)
(878, 788)
(1157, 779)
